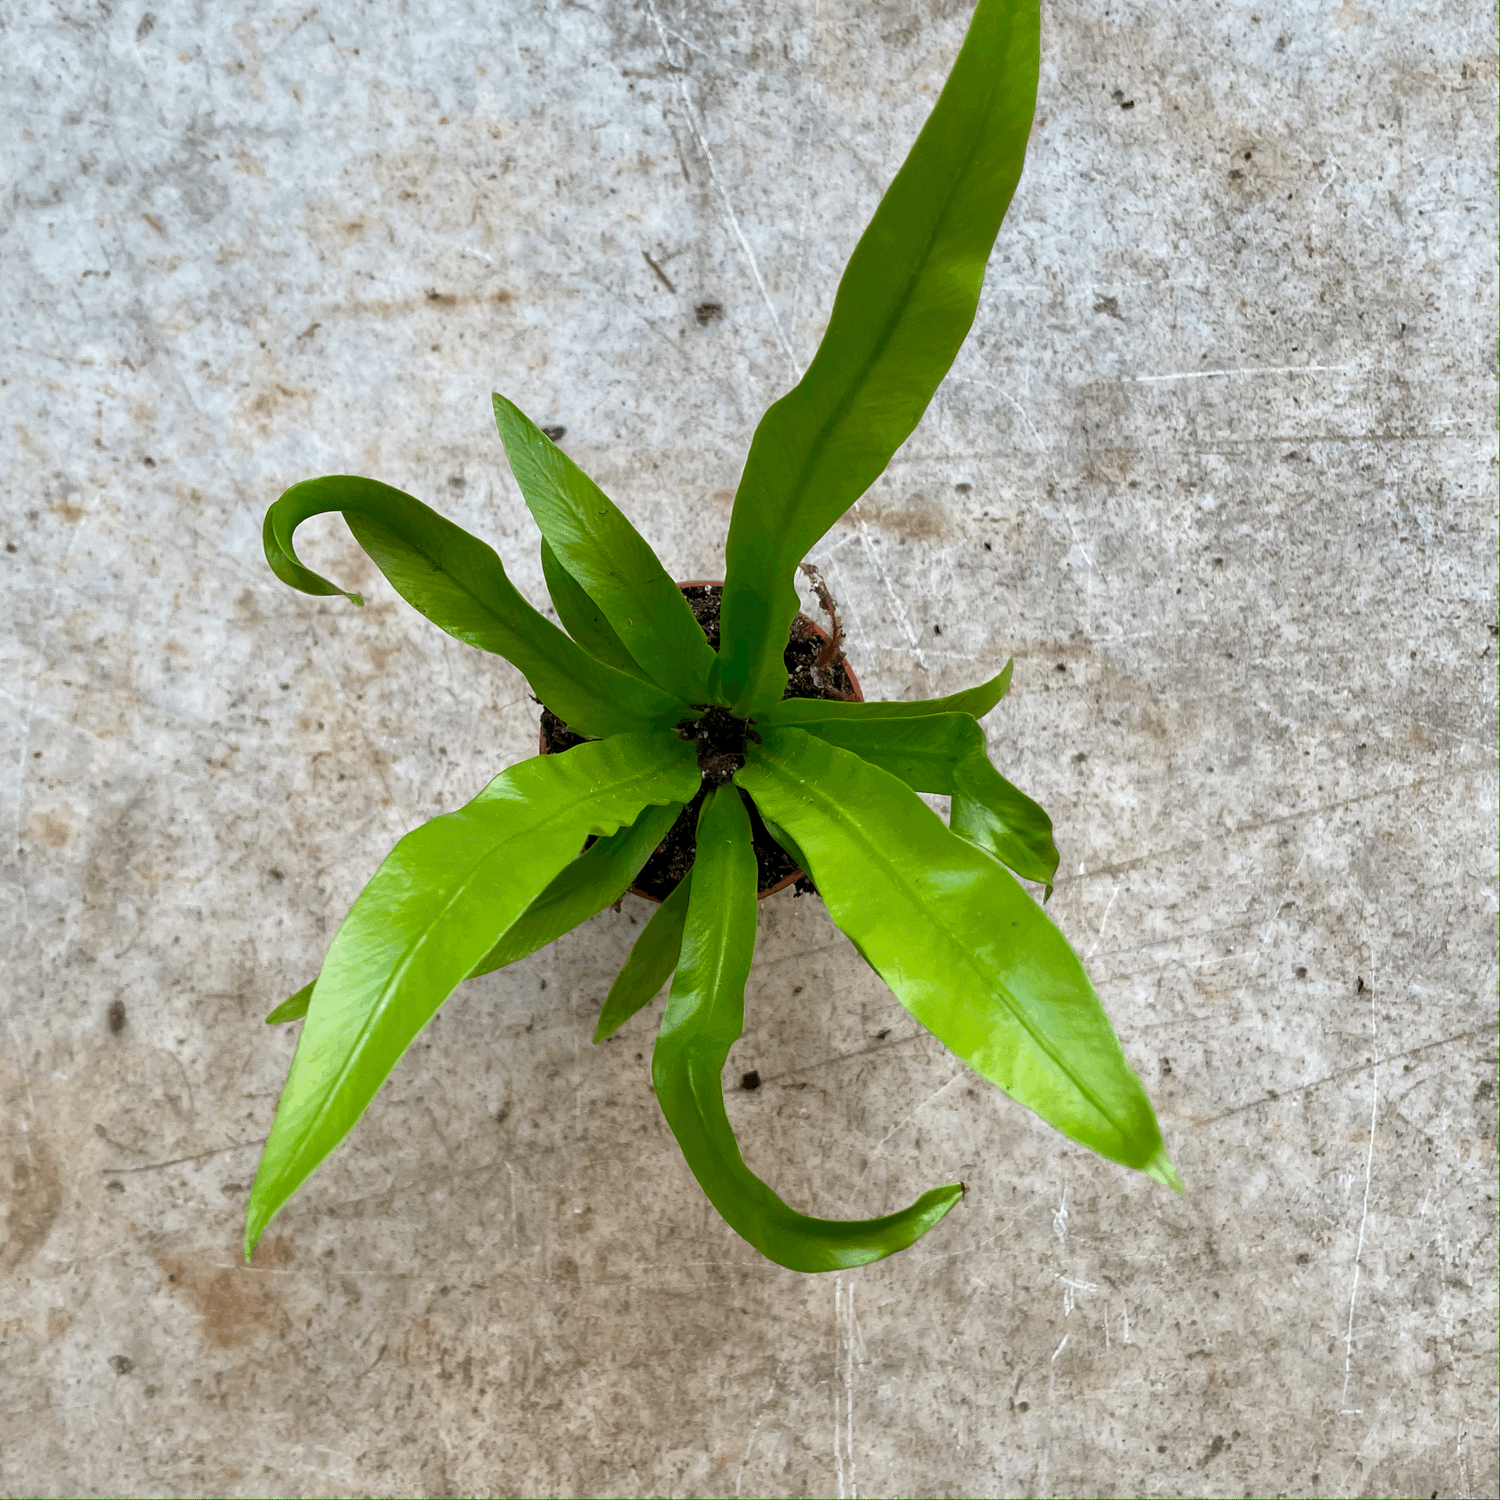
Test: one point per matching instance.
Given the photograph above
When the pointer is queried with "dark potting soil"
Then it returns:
(813, 672)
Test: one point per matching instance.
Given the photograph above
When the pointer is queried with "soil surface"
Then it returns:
(815, 668)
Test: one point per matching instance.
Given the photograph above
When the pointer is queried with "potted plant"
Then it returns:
(656, 718)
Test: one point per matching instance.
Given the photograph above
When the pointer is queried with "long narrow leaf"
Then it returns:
(705, 1016)
(582, 889)
(946, 754)
(583, 619)
(974, 701)
(433, 910)
(960, 942)
(904, 306)
(608, 558)
(649, 966)
(458, 582)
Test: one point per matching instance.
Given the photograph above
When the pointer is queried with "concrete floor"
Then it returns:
(1217, 466)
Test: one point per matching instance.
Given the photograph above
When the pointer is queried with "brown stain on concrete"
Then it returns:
(264, 408)
(235, 1304)
(1092, 446)
(33, 1187)
(49, 828)
(916, 517)
(431, 300)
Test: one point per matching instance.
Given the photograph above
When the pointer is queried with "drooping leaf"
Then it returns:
(904, 306)
(582, 889)
(705, 1016)
(946, 754)
(652, 959)
(293, 1008)
(583, 619)
(433, 910)
(1002, 820)
(974, 701)
(964, 947)
(608, 559)
(458, 582)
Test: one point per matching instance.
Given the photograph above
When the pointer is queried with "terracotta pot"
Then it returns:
(859, 697)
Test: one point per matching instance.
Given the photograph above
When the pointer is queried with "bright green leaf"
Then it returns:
(964, 947)
(582, 889)
(1002, 820)
(433, 910)
(608, 559)
(652, 959)
(946, 754)
(904, 306)
(787, 842)
(458, 582)
(704, 1018)
(293, 1008)
(974, 701)
(583, 619)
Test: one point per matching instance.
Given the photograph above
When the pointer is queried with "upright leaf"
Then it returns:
(974, 701)
(960, 942)
(705, 1016)
(608, 558)
(431, 913)
(458, 582)
(583, 619)
(946, 754)
(652, 959)
(904, 306)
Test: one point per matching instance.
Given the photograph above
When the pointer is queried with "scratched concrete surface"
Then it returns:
(1217, 466)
